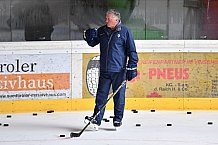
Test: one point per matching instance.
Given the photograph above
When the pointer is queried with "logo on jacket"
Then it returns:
(118, 35)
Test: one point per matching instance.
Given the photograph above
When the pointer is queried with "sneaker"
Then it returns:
(117, 123)
(95, 127)
(94, 123)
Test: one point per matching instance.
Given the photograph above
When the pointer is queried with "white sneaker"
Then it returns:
(95, 127)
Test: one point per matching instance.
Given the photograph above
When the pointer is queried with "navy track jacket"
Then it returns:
(116, 46)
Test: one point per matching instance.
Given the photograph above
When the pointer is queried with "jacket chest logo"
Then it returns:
(118, 35)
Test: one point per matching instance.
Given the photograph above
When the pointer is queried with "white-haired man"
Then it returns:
(118, 62)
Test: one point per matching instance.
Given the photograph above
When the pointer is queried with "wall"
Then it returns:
(63, 76)
(30, 20)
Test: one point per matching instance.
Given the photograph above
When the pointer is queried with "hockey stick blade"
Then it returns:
(73, 134)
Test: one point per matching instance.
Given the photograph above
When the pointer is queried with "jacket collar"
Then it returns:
(118, 27)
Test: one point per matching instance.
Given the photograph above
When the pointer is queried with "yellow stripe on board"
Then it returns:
(23, 106)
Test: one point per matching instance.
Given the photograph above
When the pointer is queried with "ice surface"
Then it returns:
(46, 128)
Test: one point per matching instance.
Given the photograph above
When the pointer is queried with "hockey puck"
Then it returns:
(152, 110)
(209, 123)
(106, 120)
(138, 125)
(5, 124)
(8, 116)
(135, 111)
(111, 117)
(35, 114)
(189, 112)
(62, 135)
(169, 124)
(50, 111)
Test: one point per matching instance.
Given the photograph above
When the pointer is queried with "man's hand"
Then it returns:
(131, 73)
(90, 34)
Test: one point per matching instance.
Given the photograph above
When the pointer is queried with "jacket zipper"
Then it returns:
(108, 48)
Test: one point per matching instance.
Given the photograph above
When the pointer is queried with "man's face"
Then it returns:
(110, 20)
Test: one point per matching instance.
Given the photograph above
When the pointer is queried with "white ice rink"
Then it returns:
(197, 128)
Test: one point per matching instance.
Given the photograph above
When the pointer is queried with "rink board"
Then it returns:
(63, 76)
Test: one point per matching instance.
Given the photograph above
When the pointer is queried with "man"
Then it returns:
(116, 46)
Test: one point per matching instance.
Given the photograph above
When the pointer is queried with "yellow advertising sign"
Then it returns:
(164, 75)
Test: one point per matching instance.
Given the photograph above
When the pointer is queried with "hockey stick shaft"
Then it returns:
(117, 90)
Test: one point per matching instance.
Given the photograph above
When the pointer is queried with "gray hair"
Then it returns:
(115, 13)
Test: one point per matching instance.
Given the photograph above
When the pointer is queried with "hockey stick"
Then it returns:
(73, 134)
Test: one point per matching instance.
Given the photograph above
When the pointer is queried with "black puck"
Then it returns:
(8, 116)
(209, 123)
(62, 135)
(152, 110)
(189, 112)
(138, 124)
(50, 111)
(35, 114)
(135, 111)
(111, 117)
(107, 120)
(5, 124)
(168, 124)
